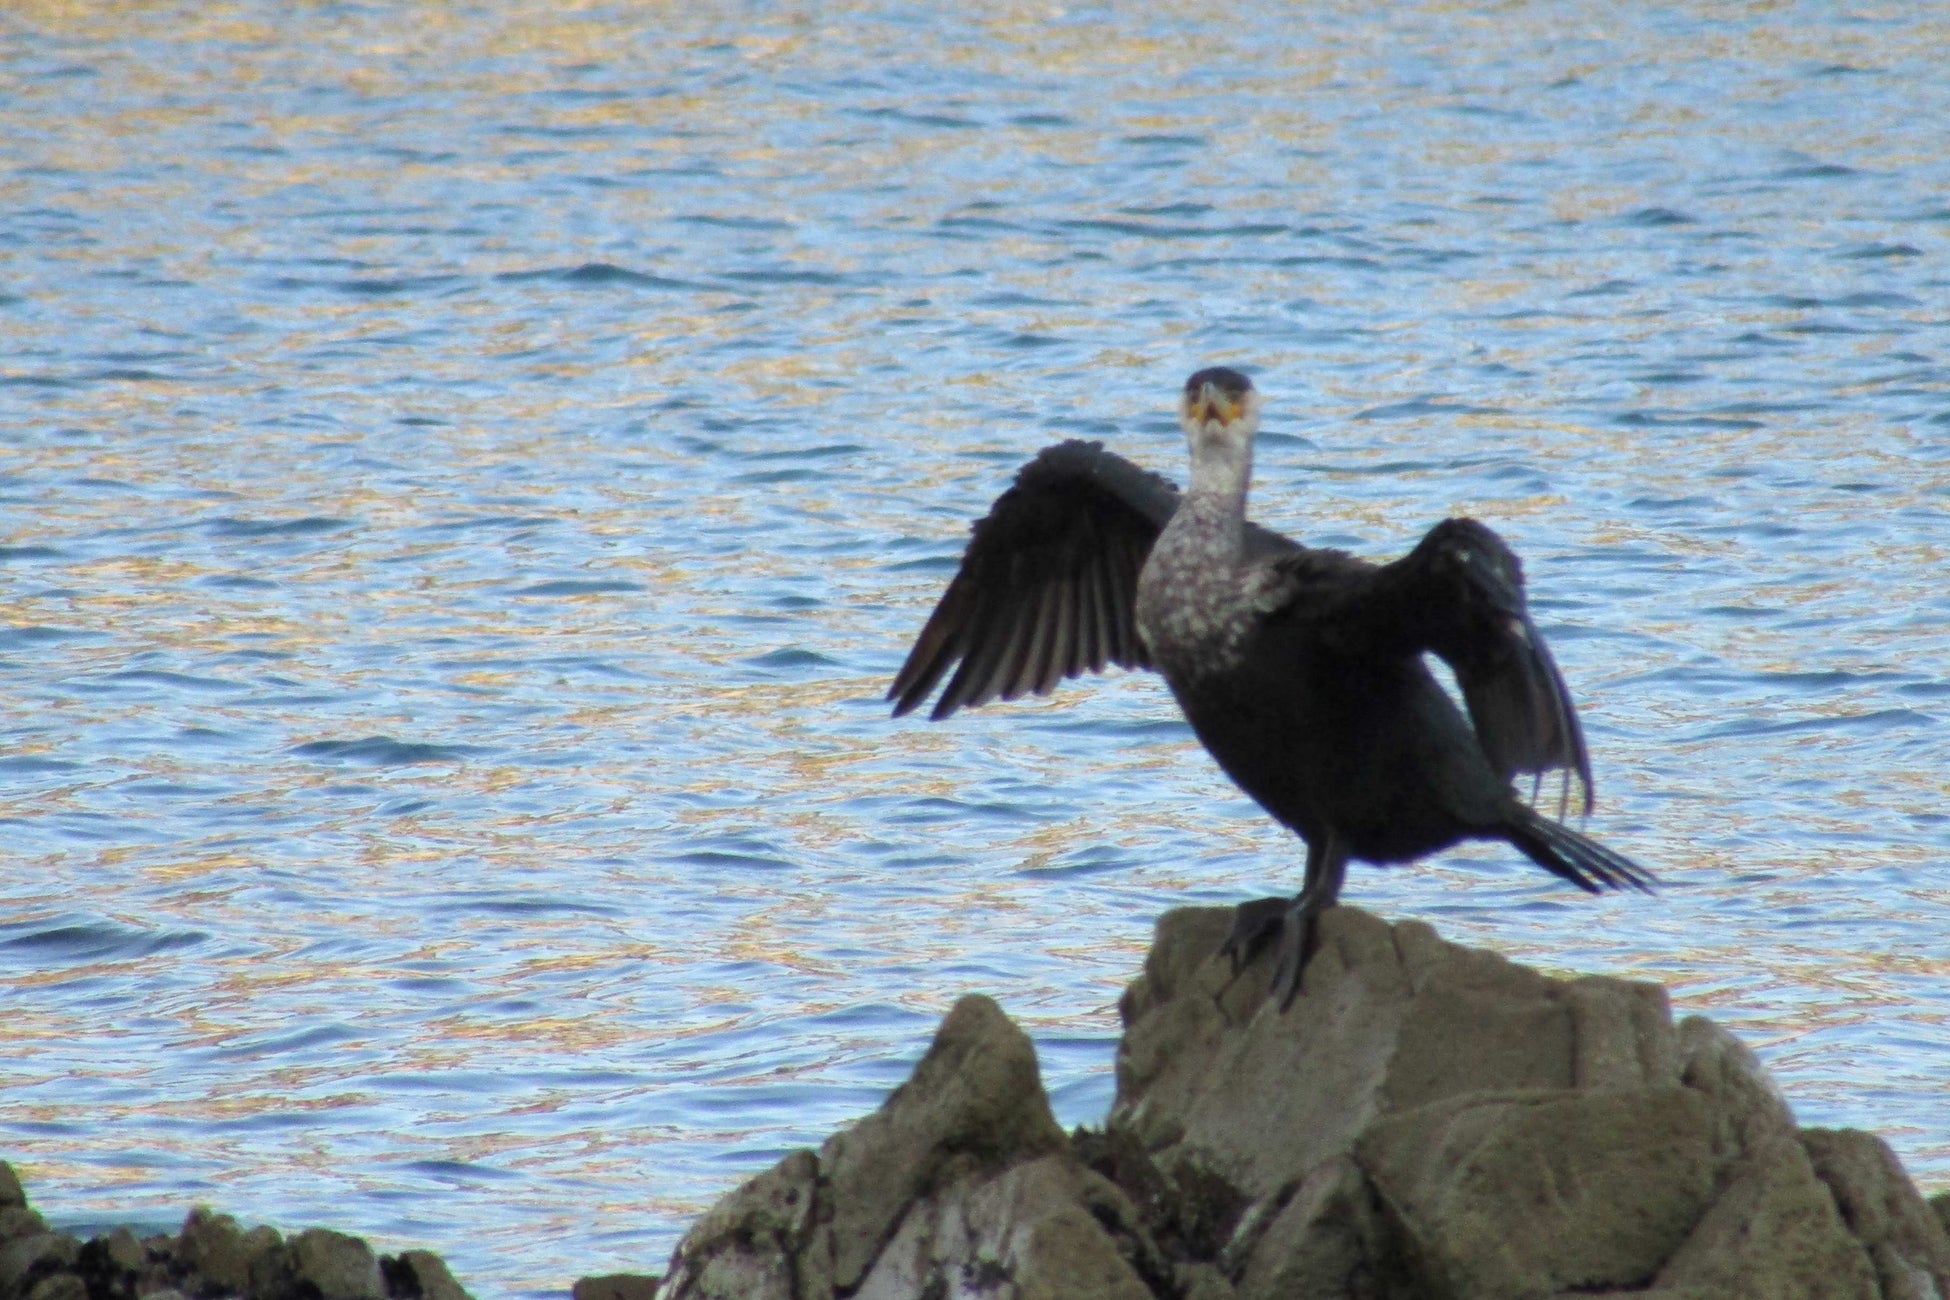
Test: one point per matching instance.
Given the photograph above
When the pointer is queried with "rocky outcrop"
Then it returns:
(211, 1256)
(964, 1172)
(1427, 1122)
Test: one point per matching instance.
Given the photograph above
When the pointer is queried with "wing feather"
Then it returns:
(1089, 649)
(1105, 609)
(1042, 639)
(1024, 619)
(1059, 648)
(1047, 587)
(1123, 601)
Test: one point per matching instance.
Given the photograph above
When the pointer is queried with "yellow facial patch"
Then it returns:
(1213, 405)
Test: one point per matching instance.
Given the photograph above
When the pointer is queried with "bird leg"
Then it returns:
(1293, 922)
(1300, 925)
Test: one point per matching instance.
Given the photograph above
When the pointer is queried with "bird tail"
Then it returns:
(1577, 858)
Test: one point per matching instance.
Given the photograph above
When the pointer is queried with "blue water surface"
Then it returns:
(467, 474)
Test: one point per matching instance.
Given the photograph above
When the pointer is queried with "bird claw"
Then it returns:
(1291, 924)
(1299, 940)
(1258, 923)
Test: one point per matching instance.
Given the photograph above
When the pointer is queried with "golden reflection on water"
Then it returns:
(650, 832)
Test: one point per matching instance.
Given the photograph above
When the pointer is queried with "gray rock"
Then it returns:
(974, 1105)
(19, 1221)
(961, 1181)
(1773, 1233)
(1426, 1122)
(267, 1262)
(749, 1243)
(1202, 1282)
(1523, 1194)
(114, 1264)
(1748, 1109)
(26, 1260)
(124, 1250)
(425, 1274)
(1884, 1212)
(210, 1256)
(1206, 1068)
(60, 1286)
(1314, 1245)
(211, 1247)
(1391, 1018)
(616, 1286)
(1038, 1229)
(338, 1266)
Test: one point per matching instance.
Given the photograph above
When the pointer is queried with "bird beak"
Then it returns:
(1211, 404)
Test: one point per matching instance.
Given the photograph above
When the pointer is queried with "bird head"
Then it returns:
(1219, 409)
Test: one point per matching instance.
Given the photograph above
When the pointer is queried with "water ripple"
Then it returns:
(461, 510)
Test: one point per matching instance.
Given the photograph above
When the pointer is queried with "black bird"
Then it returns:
(1300, 669)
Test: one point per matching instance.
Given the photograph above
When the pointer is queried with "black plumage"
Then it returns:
(1302, 670)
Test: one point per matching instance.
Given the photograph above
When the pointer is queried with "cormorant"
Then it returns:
(1301, 669)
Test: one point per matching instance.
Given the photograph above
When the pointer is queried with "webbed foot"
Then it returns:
(1299, 941)
(1258, 924)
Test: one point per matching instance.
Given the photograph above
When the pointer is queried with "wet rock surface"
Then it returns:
(1427, 1122)
(212, 1256)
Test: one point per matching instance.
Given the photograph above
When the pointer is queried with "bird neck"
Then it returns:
(1222, 472)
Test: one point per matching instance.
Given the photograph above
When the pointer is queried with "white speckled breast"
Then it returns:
(1196, 605)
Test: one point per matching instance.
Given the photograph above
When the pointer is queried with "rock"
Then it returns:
(1884, 1212)
(961, 1181)
(749, 1243)
(336, 1266)
(1748, 1109)
(1773, 1233)
(207, 1243)
(1426, 1122)
(1190, 1217)
(211, 1247)
(1391, 1018)
(212, 1256)
(976, 1103)
(424, 1274)
(1202, 1282)
(114, 1264)
(1315, 1245)
(220, 1257)
(616, 1286)
(1529, 1193)
(60, 1286)
(267, 1262)
(125, 1250)
(1039, 1227)
(25, 1261)
(19, 1221)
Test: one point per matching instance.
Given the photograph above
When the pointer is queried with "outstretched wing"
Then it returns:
(1047, 587)
(1459, 594)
